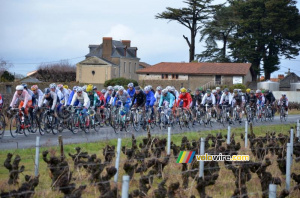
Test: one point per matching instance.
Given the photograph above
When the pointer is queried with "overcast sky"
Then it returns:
(35, 31)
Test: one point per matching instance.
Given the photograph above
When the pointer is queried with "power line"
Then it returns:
(48, 61)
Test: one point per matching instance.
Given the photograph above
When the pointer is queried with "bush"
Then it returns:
(238, 86)
(120, 81)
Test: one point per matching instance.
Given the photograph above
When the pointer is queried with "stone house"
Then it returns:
(193, 75)
(285, 83)
(111, 59)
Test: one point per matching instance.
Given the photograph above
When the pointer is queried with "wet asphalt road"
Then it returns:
(106, 133)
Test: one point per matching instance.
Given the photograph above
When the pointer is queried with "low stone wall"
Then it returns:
(293, 96)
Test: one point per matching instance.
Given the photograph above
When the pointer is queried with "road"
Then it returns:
(106, 133)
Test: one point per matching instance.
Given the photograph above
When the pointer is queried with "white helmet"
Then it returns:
(84, 87)
(121, 88)
(75, 88)
(19, 88)
(52, 86)
(258, 91)
(150, 86)
(218, 88)
(214, 91)
(109, 88)
(168, 88)
(147, 88)
(159, 88)
(79, 89)
(172, 89)
(164, 91)
(130, 85)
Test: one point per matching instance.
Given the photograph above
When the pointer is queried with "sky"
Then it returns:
(40, 31)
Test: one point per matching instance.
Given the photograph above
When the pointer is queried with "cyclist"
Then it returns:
(93, 96)
(24, 97)
(252, 99)
(51, 99)
(131, 90)
(208, 98)
(150, 86)
(260, 100)
(139, 98)
(237, 100)
(270, 100)
(83, 100)
(247, 95)
(283, 101)
(157, 95)
(150, 100)
(53, 88)
(218, 98)
(37, 95)
(67, 88)
(172, 91)
(197, 99)
(219, 92)
(64, 95)
(108, 94)
(226, 99)
(167, 99)
(72, 95)
(184, 99)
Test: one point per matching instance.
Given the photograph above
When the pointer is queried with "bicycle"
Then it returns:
(224, 115)
(80, 121)
(283, 115)
(183, 118)
(136, 117)
(65, 120)
(19, 123)
(2, 124)
(166, 117)
(260, 114)
(269, 112)
(250, 111)
(47, 122)
(207, 117)
(150, 118)
(236, 114)
(119, 120)
(95, 121)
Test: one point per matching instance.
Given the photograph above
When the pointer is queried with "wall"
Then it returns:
(129, 72)
(293, 96)
(158, 77)
(198, 81)
(227, 80)
(176, 83)
(247, 78)
(84, 73)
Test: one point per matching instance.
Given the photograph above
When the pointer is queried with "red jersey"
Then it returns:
(187, 99)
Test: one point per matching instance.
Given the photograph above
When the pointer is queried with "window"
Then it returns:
(164, 76)
(174, 76)
(124, 67)
(8, 89)
(129, 67)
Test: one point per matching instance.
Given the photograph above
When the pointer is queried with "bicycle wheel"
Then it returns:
(136, 121)
(116, 124)
(162, 121)
(96, 125)
(53, 121)
(76, 124)
(2, 126)
(15, 126)
(86, 124)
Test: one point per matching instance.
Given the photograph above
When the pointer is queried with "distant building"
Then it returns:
(193, 75)
(285, 83)
(111, 59)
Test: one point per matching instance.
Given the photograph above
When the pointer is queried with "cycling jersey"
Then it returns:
(157, 96)
(260, 99)
(36, 98)
(52, 100)
(131, 92)
(94, 98)
(283, 101)
(139, 99)
(25, 97)
(84, 100)
(226, 98)
(124, 98)
(107, 97)
(170, 98)
(64, 96)
(71, 98)
(150, 99)
(237, 100)
(186, 98)
(270, 98)
(210, 100)
(197, 99)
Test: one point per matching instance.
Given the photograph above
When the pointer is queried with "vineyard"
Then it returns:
(88, 169)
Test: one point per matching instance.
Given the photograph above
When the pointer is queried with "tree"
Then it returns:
(4, 65)
(196, 12)
(120, 81)
(57, 72)
(218, 29)
(7, 77)
(266, 30)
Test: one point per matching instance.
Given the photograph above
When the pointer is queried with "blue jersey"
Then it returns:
(150, 99)
(70, 99)
(131, 92)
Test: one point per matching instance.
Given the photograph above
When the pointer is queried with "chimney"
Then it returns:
(280, 76)
(107, 48)
(126, 43)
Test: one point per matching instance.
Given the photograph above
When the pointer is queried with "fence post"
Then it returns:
(272, 190)
(37, 155)
(298, 130)
(288, 166)
(228, 135)
(61, 145)
(201, 164)
(169, 141)
(292, 143)
(118, 159)
(246, 134)
(125, 186)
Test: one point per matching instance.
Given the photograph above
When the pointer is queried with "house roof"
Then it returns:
(94, 60)
(29, 79)
(118, 50)
(198, 68)
(288, 79)
(144, 65)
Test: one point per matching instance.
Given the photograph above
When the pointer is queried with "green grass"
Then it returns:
(223, 188)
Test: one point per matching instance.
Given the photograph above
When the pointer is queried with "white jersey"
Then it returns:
(157, 96)
(208, 99)
(226, 98)
(84, 99)
(64, 97)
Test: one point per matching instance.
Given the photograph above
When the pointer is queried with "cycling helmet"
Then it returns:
(94, 88)
(258, 91)
(208, 91)
(121, 88)
(159, 88)
(130, 85)
(24, 85)
(34, 87)
(226, 90)
(19, 88)
(60, 86)
(164, 91)
(218, 88)
(239, 90)
(172, 89)
(66, 86)
(169, 88)
(197, 89)
(252, 92)
(267, 91)
(248, 90)
(47, 90)
(147, 88)
(52, 86)
(74, 88)
(103, 91)
(89, 88)
(109, 88)
(235, 91)
(283, 94)
(183, 90)
(137, 88)
(214, 91)
(116, 87)
(150, 86)
(262, 91)
(84, 88)
(79, 89)
(200, 88)
(189, 90)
